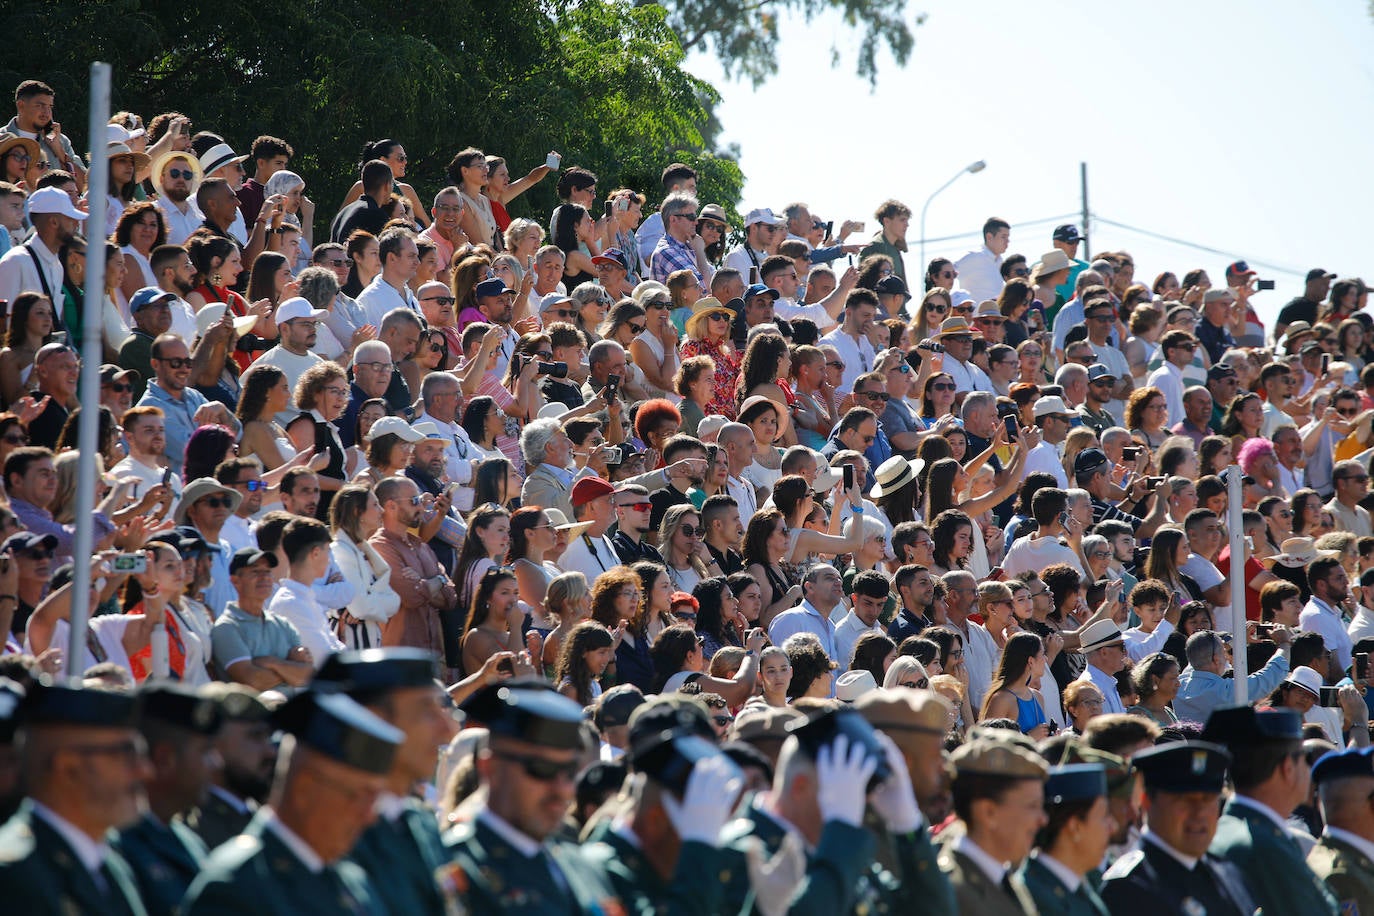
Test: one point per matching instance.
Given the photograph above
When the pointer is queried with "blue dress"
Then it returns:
(1028, 714)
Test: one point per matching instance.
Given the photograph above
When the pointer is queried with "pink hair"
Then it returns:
(1253, 450)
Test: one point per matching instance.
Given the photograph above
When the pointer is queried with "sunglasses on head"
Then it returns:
(541, 769)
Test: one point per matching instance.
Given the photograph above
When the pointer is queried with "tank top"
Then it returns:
(1028, 714)
(328, 436)
(143, 263)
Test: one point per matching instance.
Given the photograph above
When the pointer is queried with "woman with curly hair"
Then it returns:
(952, 532)
(141, 228)
(656, 422)
(1147, 416)
(618, 606)
(695, 383)
(1156, 684)
(583, 658)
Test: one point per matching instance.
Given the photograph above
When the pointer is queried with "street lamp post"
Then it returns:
(971, 169)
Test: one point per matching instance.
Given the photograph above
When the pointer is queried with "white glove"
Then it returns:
(712, 791)
(842, 772)
(894, 800)
(775, 880)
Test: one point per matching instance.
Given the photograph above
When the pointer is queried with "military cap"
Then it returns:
(746, 755)
(527, 709)
(338, 727)
(822, 729)
(47, 703)
(668, 737)
(1353, 761)
(1183, 766)
(11, 698)
(366, 674)
(1245, 725)
(599, 779)
(172, 703)
(616, 705)
(988, 756)
(1120, 772)
(998, 733)
(905, 709)
(237, 702)
(764, 723)
(1075, 782)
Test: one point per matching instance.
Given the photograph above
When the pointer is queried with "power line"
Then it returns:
(1197, 247)
(976, 233)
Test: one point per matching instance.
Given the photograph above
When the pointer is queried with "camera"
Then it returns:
(931, 345)
(556, 370)
(130, 563)
(1130, 452)
(1263, 284)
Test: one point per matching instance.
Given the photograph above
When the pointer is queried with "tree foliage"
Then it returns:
(743, 34)
(601, 81)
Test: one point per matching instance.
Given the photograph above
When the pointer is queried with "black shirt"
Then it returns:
(363, 213)
(1299, 309)
(47, 426)
(565, 393)
(729, 562)
(631, 552)
(906, 624)
(663, 500)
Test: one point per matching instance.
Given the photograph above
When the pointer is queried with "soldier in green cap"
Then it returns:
(290, 860)
(1271, 778)
(1072, 842)
(802, 848)
(84, 764)
(1344, 856)
(504, 860)
(661, 855)
(179, 726)
(244, 776)
(999, 796)
(402, 851)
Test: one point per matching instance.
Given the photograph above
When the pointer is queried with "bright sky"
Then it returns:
(1237, 126)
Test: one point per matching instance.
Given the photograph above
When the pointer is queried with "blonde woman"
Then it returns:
(680, 539)
(568, 601)
(354, 516)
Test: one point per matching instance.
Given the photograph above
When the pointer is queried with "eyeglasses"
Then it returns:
(375, 366)
(337, 391)
(449, 208)
(1100, 554)
(20, 155)
(337, 262)
(638, 507)
(541, 769)
(121, 387)
(442, 300)
(693, 532)
(176, 362)
(217, 502)
(252, 486)
(835, 364)
(957, 654)
(1362, 478)
(16, 439)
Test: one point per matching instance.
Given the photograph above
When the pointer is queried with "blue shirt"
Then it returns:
(178, 419)
(1200, 692)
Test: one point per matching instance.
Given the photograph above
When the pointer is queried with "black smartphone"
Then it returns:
(1264, 284)
(612, 386)
(1154, 482)
(1326, 363)
(1012, 430)
(609, 206)
(166, 476)
(753, 275)
(1130, 452)
(847, 474)
(1330, 696)
(1362, 666)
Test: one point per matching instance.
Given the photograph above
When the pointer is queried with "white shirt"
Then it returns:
(1168, 378)
(1034, 554)
(590, 556)
(980, 659)
(1045, 457)
(380, 297)
(1319, 617)
(18, 273)
(238, 531)
(148, 475)
(847, 633)
(180, 225)
(739, 259)
(296, 603)
(742, 491)
(858, 356)
(805, 618)
(980, 274)
(967, 376)
(183, 321)
(1292, 481)
(1362, 625)
(1106, 683)
(1202, 571)
(293, 366)
(1140, 644)
(789, 309)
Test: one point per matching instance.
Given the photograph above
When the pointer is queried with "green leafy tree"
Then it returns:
(601, 81)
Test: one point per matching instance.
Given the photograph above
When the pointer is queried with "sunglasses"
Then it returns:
(685, 615)
(338, 262)
(1020, 272)
(937, 309)
(722, 721)
(876, 395)
(638, 507)
(121, 387)
(181, 173)
(943, 386)
(922, 684)
(541, 769)
(218, 502)
(442, 300)
(564, 313)
(638, 328)
(693, 532)
(175, 362)
(834, 364)
(17, 439)
(252, 486)
(37, 553)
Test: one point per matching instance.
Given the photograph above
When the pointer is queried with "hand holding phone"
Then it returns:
(1013, 430)
(552, 160)
(847, 474)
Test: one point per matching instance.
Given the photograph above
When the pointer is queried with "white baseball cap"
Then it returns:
(298, 307)
(54, 200)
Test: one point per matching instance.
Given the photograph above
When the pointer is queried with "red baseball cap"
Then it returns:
(590, 488)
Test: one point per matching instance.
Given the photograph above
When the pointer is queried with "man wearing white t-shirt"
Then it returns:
(1055, 541)
(145, 433)
(1055, 420)
(850, 339)
(298, 323)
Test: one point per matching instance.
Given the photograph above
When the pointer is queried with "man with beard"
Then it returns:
(402, 850)
(179, 727)
(33, 119)
(916, 591)
(502, 861)
(246, 753)
(55, 221)
(290, 859)
(177, 175)
(724, 531)
(681, 477)
(427, 468)
(298, 322)
(300, 492)
(632, 508)
(83, 764)
(424, 588)
(495, 306)
(174, 271)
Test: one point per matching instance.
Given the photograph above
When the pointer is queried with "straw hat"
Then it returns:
(704, 308)
(893, 474)
(188, 158)
(210, 315)
(35, 169)
(1297, 553)
(958, 325)
(560, 522)
(142, 161)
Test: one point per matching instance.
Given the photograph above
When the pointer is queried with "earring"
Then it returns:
(215, 279)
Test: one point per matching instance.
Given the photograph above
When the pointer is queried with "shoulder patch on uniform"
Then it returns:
(1124, 865)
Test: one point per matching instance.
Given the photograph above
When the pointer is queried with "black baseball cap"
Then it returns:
(1067, 233)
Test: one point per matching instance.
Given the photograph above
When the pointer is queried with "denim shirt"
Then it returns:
(179, 417)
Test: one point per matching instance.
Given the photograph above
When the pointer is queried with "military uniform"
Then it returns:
(488, 874)
(975, 892)
(1271, 860)
(1347, 871)
(165, 859)
(256, 872)
(401, 855)
(219, 820)
(1149, 882)
(1341, 858)
(1053, 898)
(696, 889)
(40, 874)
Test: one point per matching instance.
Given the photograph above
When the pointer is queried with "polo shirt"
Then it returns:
(240, 636)
(380, 297)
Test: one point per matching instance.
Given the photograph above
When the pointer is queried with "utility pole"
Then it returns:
(1083, 185)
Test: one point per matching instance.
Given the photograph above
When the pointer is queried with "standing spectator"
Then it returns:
(270, 155)
(299, 324)
(980, 270)
(681, 248)
(33, 103)
(55, 221)
(306, 544)
(1330, 586)
(424, 589)
(389, 289)
(890, 241)
(367, 213)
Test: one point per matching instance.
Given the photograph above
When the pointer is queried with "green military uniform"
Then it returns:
(218, 820)
(487, 874)
(1053, 898)
(975, 892)
(1347, 871)
(256, 872)
(697, 886)
(401, 855)
(165, 859)
(41, 874)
